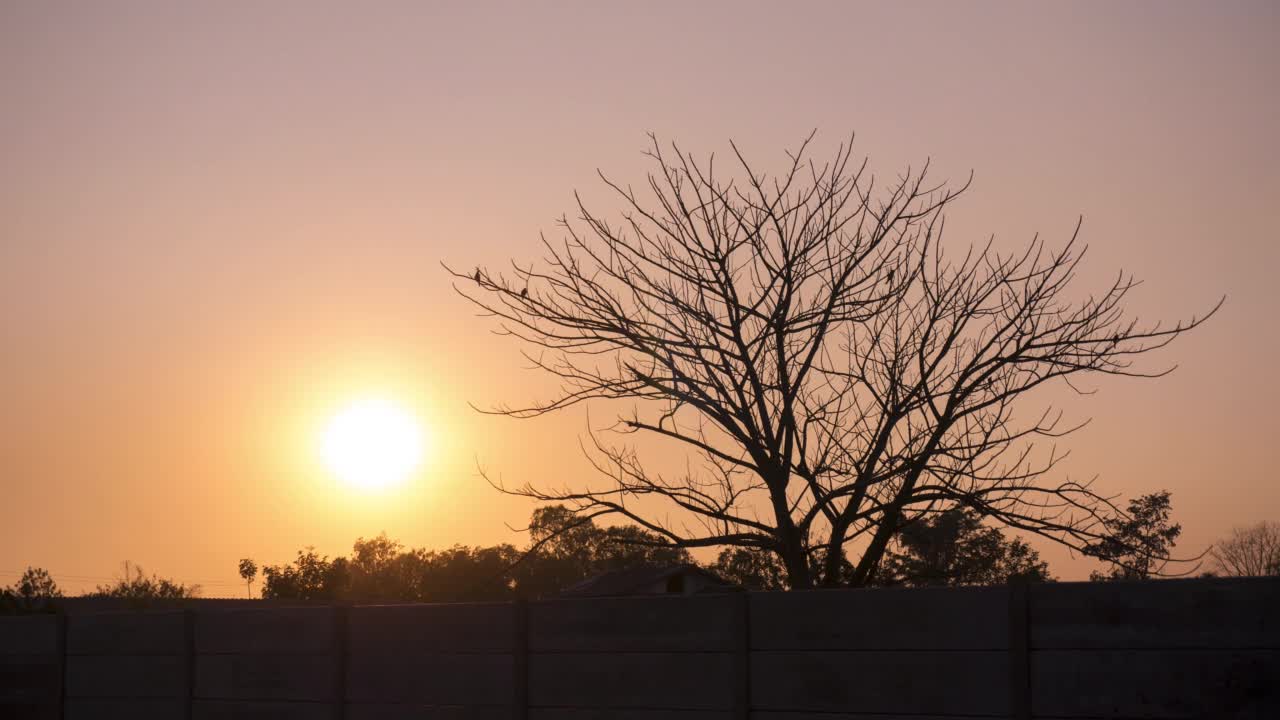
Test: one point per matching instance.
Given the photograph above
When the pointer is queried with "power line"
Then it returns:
(17, 574)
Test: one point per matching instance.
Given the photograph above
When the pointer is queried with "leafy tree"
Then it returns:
(381, 570)
(1250, 551)
(561, 552)
(467, 574)
(248, 571)
(623, 546)
(753, 569)
(568, 548)
(310, 577)
(1139, 544)
(564, 550)
(833, 371)
(34, 591)
(377, 573)
(36, 583)
(954, 548)
(134, 584)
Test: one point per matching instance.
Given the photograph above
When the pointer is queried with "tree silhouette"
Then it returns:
(751, 568)
(1138, 545)
(310, 577)
(1250, 551)
(836, 371)
(566, 549)
(35, 591)
(248, 571)
(563, 550)
(955, 548)
(134, 584)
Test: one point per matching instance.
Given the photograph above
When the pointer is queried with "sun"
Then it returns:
(373, 443)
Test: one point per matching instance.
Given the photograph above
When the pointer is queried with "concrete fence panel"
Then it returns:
(127, 665)
(31, 659)
(1160, 650)
(417, 661)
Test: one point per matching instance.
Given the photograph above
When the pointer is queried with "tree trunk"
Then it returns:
(790, 543)
(875, 550)
(793, 558)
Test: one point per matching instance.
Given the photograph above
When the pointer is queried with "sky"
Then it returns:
(221, 222)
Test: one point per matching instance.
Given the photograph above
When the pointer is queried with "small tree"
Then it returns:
(248, 571)
(470, 574)
(752, 569)
(309, 577)
(135, 585)
(955, 548)
(568, 548)
(36, 583)
(1250, 551)
(33, 592)
(1139, 545)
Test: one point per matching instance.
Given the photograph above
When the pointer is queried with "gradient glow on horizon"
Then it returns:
(220, 221)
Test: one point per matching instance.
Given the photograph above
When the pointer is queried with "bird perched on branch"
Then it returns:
(477, 274)
(524, 293)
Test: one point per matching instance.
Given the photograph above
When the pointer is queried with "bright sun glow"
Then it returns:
(373, 444)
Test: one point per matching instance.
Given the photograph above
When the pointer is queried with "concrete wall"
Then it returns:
(1164, 649)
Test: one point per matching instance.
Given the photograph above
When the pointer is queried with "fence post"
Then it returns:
(1019, 650)
(341, 646)
(520, 660)
(62, 661)
(742, 657)
(188, 662)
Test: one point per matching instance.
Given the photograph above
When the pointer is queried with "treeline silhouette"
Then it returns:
(37, 591)
(949, 548)
(563, 550)
(953, 548)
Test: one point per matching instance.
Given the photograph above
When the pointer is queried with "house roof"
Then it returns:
(633, 580)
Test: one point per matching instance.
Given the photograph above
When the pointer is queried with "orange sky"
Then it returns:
(218, 222)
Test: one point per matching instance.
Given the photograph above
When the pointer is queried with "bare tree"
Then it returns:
(1250, 551)
(838, 373)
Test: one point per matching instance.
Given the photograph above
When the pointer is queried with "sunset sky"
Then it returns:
(221, 223)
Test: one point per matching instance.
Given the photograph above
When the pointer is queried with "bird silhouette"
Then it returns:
(524, 293)
(477, 274)
(890, 274)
